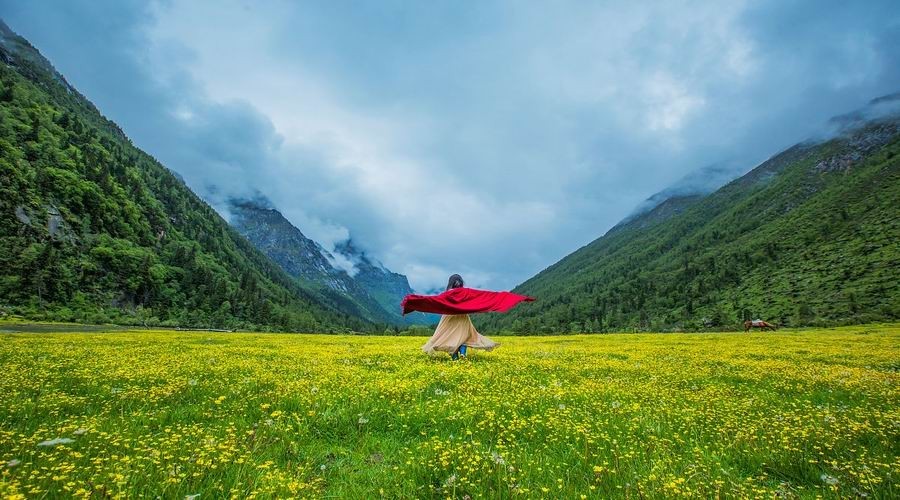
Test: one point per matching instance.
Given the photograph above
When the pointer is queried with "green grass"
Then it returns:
(797, 413)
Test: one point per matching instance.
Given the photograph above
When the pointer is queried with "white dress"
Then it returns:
(454, 330)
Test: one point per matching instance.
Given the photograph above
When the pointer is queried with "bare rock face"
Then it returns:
(858, 143)
(861, 132)
(54, 221)
(55, 224)
(840, 163)
(22, 215)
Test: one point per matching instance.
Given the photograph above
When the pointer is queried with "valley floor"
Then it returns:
(172, 414)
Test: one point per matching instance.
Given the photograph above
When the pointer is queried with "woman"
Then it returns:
(455, 332)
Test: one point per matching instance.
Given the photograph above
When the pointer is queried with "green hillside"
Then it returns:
(93, 229)
(809, 237)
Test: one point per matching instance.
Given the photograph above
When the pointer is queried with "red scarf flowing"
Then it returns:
(463, 301)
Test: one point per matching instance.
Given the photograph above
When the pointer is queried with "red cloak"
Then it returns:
(463, 301)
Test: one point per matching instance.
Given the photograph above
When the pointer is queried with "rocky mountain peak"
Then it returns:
(376, 290)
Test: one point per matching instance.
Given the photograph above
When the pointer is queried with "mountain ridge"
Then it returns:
(706, 265)
(374, 291)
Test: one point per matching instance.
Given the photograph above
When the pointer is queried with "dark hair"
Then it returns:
(456, 281)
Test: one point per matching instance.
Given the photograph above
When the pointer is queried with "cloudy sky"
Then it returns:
(480, 137)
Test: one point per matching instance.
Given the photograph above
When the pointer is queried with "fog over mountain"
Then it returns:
(701, 181)
(447, 137)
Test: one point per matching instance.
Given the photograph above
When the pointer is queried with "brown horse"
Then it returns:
(762, 325)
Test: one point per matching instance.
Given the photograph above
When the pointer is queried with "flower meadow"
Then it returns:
(130, 414)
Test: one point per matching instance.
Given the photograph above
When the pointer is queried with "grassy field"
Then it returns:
(176, 414)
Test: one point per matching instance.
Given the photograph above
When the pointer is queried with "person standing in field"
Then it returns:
(455, 333)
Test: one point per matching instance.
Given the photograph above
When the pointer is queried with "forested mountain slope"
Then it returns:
(808, 237)
(93, 229)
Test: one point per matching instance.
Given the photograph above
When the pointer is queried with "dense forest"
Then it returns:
(809, 237)
(93, 229)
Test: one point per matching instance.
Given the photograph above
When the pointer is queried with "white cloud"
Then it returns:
(669, 103)
(488, 138)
